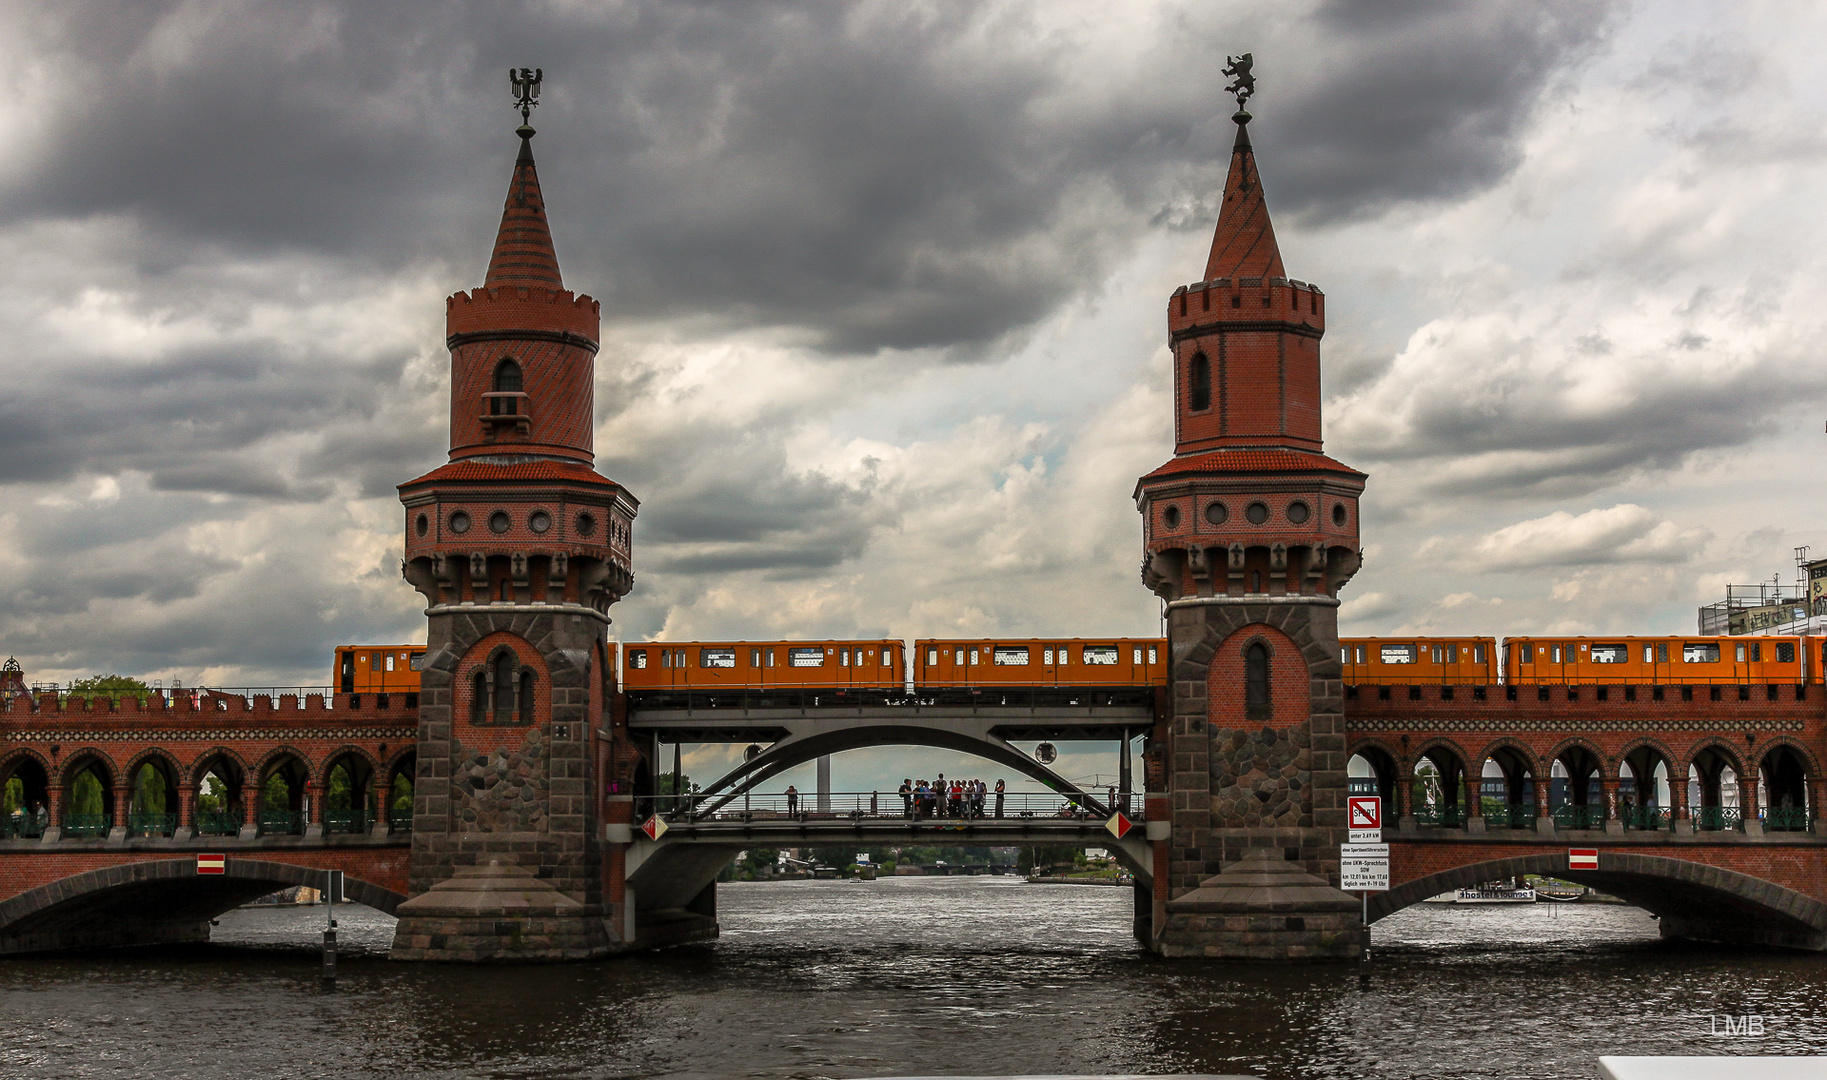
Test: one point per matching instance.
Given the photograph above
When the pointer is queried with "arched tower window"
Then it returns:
(1199, 383)
(507, 381)
(478, 701)
(505, 681)
(1256, 680)
(526, 696)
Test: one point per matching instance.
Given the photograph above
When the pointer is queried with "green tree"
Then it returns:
(149, 790)
(14, 796)
(276, 794)
(341, 791)
(111, 687)
(401, 795)
(86, 795)
(212, 795)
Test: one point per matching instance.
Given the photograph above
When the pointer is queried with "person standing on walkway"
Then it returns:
(792, 801)
(999, 789)
(907, 795)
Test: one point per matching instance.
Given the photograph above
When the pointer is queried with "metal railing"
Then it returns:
(1445, 815)
(281, 823)
(85, 825)
(347, 822)
(1646, 818)
(1574, 816)
(216, 824)
(23, 826)
(1509, 816)
(888, 806)
(1718, 818)
(151, 824)
(1788, 819)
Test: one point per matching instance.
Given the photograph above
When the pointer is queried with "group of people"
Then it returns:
(949, 799)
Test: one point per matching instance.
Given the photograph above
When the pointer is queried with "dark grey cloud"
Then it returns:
(872, 176)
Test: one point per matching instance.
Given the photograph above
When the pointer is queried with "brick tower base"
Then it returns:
(498, 914)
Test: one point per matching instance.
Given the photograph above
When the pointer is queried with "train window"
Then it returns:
(1649, 655)
(1452, 652)
(665, 658)
(1344, 654)
(932, 658)
(1741, 653)
(1096, 655)
(770, 657)
(1610, 654)
(1554, 653)
(1359, 650)
(1010, 655)
(1525, 654)
(1785, 652)
(1700, 652)
(389, 662)
(843, 658)
(812, 657)
(970, 657)
(716, 658)
(417, 663)
(1397, 654)
(1046, 656)
(754, 657)
(1152, 655)
(1662, 652)
(958, 658)
(887, 658)
(1478, 654)
(637, 658)
(1135, 655)
(1438, 654)
(1757, 652)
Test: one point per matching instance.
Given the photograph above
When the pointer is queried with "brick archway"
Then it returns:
(152, 901)
(1692, 899)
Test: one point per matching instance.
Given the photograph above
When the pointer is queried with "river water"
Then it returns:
(911, 976)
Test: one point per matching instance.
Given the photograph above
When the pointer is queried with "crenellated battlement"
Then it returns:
(43, 708)
(1297, 305)
(522, 308)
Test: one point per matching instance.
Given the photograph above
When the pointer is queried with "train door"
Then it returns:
(346, 671)
(1052, 658)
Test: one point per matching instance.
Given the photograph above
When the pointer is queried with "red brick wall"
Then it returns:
(1289, 681)
(384, 866)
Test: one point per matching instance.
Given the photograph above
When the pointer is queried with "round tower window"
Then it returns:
(1298, 513)
(586, 525)
(459, 523)
(1171, 517)
(540, 521)
(422, 525)
(1216, 513)
(1338, 513)
(1257, 513)
(499, 522)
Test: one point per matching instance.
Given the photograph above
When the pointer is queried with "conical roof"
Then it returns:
(523, 247)
(1244, 245)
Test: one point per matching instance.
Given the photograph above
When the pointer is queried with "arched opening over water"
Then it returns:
(1507, 794)
(1438, 793)
(349, 795)
(220, 790)
(1645, 800)
(1694, 900)
(152, 808)
(1372, 770)
(284, 802)
(1712, 788)
(158, 900)
(1783, 790)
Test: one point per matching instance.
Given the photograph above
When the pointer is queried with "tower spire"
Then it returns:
(1244, 244)
(523, 253)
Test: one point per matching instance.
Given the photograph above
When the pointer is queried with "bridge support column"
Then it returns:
(383, 796)
(187, 811)
(1608, 791)
(1748, 801)
(315, 802)
(250, 808)
(1474, 798)
(117, 831)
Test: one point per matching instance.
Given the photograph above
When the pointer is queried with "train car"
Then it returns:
(1662, 661)
(739, 665)
(1419, 661)
(1039, 662)
(377, 669)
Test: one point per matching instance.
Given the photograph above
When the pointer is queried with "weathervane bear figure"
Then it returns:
(1243, 84)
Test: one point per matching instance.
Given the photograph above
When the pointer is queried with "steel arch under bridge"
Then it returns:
(793, 732)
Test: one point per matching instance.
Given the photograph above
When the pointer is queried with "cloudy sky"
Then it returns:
(883, 291)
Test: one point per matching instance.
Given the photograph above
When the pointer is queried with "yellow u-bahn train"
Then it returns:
(979, 664)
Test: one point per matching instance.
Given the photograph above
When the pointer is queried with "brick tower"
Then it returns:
(1249, 532)
(519, 547)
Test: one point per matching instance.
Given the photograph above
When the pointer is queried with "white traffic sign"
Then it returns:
(1364, 867)
(1364, 818)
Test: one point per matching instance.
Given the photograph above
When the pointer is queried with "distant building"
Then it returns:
(1758, 609)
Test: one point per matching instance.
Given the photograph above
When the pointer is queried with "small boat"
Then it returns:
(1560, 894)
(1496, 892)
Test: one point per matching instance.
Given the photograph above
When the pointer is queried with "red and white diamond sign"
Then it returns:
(654, 827)
(1364, 817)
(1119, 825)
(1582, 858)
(212, 864)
